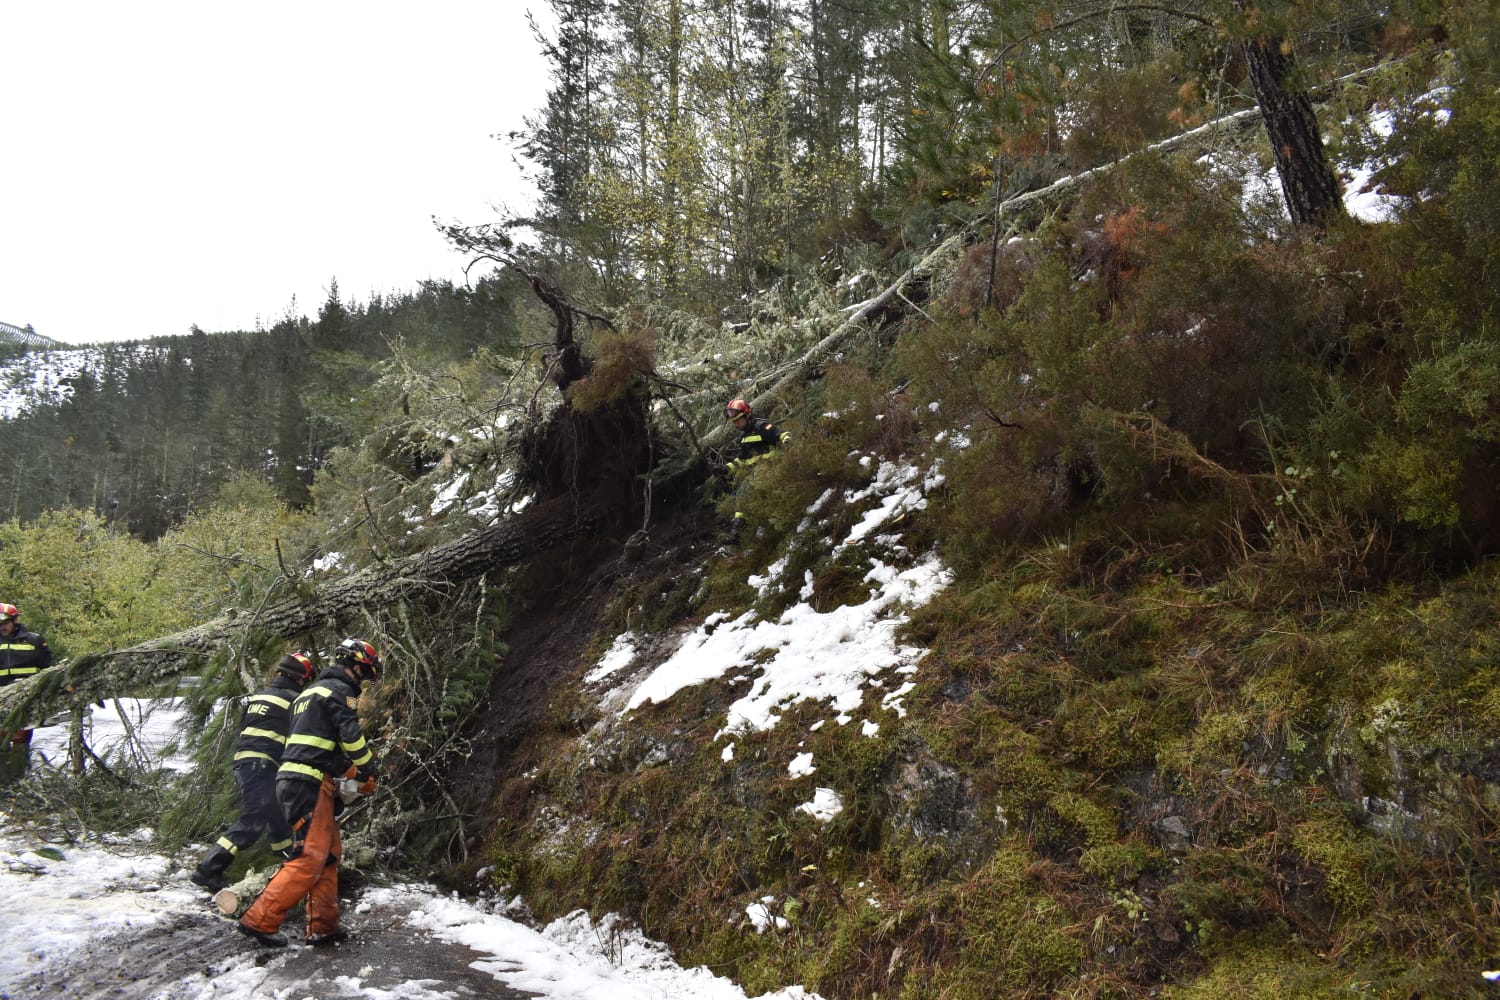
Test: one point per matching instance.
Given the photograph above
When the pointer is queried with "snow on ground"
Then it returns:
(807, 655)
(576, 957)
(834, 657)
(56, 899)
(107, 731)
(39, 375)
(53, 899)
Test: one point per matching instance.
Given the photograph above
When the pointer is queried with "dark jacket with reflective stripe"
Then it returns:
(266, 722)
(758, 437)
(325, 737)
(22, 653)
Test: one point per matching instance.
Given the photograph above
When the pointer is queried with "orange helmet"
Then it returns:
(735, 409)
(359, 655)
(9, 613)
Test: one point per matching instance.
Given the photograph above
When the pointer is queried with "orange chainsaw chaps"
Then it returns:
(313, 875)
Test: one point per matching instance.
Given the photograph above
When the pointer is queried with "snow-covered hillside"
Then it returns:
(41, 378)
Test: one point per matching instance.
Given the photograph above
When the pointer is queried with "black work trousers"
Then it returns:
(260, 813)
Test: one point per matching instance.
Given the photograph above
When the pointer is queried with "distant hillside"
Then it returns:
(145, 431)
(26, 337)
(41, 377)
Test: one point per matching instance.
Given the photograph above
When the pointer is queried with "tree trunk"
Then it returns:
(1307, 181)
(434, 572)
(75, 741)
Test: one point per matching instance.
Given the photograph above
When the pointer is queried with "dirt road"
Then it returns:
(198, 955)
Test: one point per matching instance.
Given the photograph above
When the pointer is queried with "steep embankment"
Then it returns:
(554, 640)
(1095, 772)
(570, 596)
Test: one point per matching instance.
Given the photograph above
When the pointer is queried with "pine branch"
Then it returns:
(437, 571)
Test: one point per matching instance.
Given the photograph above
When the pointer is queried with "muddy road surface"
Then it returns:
(198, 955)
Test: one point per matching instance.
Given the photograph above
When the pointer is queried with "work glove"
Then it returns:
(348, 790)
(354, 784)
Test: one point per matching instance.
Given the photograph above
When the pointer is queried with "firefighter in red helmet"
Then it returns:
(325, 747)
(257, 755)
(758, 437)
(22, 654)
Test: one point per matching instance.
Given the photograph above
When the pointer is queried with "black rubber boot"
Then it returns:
(323, 940)
(210, 871)
(264, 938)
(209, 880)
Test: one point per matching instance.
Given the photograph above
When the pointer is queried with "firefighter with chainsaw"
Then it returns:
(257, 755)
(22, 654)
(758, 436)
(325, 765)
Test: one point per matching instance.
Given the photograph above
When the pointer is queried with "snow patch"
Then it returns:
(825, 805)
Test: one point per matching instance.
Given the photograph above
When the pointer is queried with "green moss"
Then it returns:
(1259, 969)
(1098, 823)
(1072, 695)
(1330, 844)
(1120, 864)
(1117, 724)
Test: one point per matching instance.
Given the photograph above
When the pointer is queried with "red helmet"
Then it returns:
(360, 656)
(9, 613)
(298, 666)
(735, 409)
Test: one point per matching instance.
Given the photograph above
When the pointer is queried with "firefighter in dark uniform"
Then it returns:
(325, 747)
(22, 654)
(758, 437)
(257, 755)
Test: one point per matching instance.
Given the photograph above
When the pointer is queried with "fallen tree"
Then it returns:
(433, 573)
(580, 493)
(560, 448)
(910, 289)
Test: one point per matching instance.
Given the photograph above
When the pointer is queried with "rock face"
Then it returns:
(933, 804)
(1174, 834)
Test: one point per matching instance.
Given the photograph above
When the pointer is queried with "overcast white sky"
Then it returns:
(174, 163)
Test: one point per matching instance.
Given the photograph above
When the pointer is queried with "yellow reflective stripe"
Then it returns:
(281, 845)
(362, 759)
(228, 845)
(23, 646)
(272, 699)
(266, 734)
(321, 689)
(20, 671)
(311, 741)
(296, 768)
(248, 754)
(751, 439)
